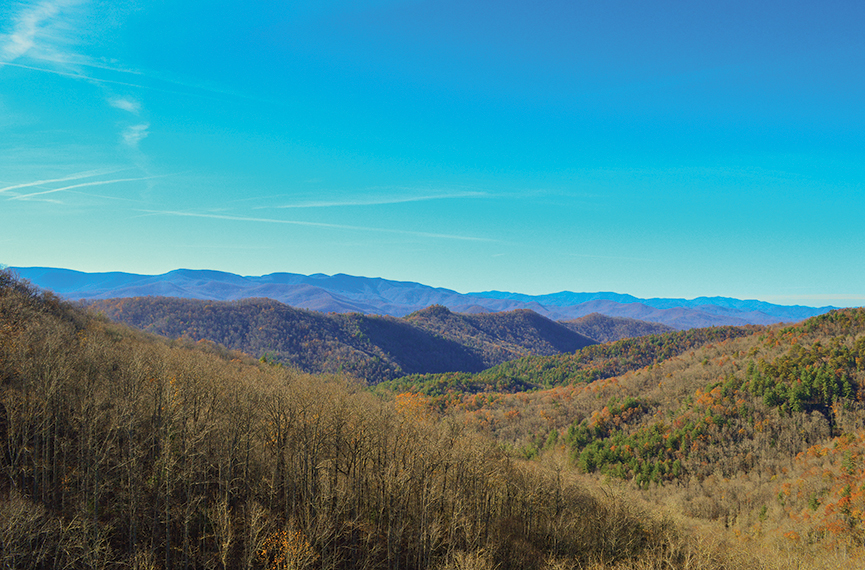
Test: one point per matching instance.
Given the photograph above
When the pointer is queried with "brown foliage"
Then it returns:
(121, 450)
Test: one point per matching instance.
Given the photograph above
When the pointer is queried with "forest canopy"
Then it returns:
(127, 450)
(719, 448)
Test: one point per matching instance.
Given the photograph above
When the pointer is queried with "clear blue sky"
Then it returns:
(664, 148)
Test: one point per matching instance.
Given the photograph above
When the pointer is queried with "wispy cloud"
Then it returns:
(378, 201)
(83, 185)
(48, 33)
(126, 104)
(36, 31)
(46, 37)
(29, 26)
(133, 134)
(315, 224)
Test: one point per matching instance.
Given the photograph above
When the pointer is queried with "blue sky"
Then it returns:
(660, 149)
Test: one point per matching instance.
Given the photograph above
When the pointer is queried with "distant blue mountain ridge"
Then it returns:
(568, 298)
(346, 293)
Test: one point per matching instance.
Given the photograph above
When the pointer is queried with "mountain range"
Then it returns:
(372, 347)
(736, 447)
(342, 293)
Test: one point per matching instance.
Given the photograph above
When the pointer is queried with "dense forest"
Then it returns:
(722, 448)
(604, 328)
(592, 363)
(368, 347)
(127, 450)
(760, 430)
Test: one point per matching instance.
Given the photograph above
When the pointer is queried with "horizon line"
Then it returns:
(477, 293)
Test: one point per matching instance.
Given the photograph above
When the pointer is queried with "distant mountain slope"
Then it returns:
(596, 362)
(680, 318)
(346, 293)
(371, 347)
(603, 328)
(506, 335)
(713, 305)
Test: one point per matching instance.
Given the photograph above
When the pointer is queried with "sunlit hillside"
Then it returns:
(123, 450)
(732, 449)
(760, 432)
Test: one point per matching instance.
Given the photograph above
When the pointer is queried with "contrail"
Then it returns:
(315, 224)
(380, 201)
(79, 76)
(214, 93)
(84, 184)
(80, 175)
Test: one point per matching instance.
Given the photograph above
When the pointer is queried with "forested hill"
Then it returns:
(759, 429)
(592, 363)
(374, 348)
(505, 335)
(127, 451)
(603, 328)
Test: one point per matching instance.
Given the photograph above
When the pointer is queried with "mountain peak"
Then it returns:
(431, 312)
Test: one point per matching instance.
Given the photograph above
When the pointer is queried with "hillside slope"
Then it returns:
(759, 429)
(502, 336)
(374, 348)
(592, 363)
(603, 328)
(123, 450)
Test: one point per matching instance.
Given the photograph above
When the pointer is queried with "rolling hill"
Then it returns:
(371, 347)
(717, 448)
(126, 450)
(759, 429)
(603, 328)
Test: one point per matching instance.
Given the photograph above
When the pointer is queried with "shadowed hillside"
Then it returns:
(610, 329)
(501, 336)
(368, 347)
(372, 348)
